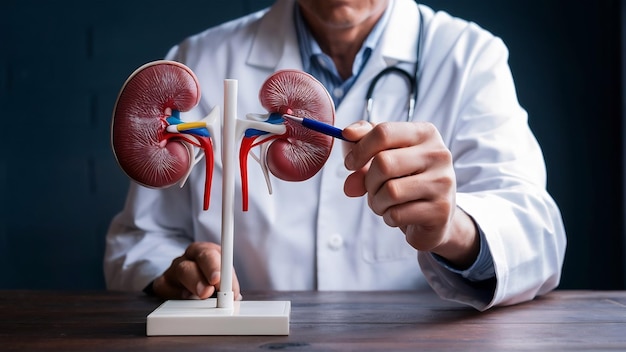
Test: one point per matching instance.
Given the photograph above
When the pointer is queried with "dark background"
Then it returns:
(63, 62)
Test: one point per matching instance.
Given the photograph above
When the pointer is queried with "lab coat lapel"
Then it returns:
(275, 45)
(398, 45)
(399, 42)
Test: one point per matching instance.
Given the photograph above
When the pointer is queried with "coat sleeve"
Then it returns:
(501, 175)
(145, 236)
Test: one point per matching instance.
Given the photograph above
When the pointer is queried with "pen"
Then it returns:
(318, 126)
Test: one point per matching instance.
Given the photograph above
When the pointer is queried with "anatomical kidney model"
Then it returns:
(149, 102)
(157, 149)
(299, 153)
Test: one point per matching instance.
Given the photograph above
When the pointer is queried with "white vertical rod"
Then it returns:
(623, 62)
(225, 298)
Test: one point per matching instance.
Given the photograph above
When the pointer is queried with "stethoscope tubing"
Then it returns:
(412, 80)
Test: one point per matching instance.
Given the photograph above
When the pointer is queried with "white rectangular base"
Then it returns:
(202, 317)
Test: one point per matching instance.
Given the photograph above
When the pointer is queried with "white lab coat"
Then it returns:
(309, 235)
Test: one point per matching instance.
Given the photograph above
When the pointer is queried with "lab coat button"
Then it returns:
(335, 242)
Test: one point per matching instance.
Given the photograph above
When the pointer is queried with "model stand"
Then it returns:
(223, 315)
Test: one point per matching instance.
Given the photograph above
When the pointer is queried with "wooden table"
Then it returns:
(323, 321)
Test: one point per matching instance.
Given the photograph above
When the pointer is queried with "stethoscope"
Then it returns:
(412, 80)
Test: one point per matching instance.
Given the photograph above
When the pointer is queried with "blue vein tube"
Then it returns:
(318, 126)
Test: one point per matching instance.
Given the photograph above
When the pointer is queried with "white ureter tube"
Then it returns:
(225, 298)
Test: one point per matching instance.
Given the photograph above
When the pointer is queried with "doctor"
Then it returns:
(451, 198)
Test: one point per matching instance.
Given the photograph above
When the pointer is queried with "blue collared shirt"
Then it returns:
(322, 67)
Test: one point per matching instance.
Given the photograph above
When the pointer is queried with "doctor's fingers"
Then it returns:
(208, 260)
(435, 188)
(169, 288)
(182, 280)
(424, 223)
(414, 173)
(388, 177)
(354, 185)
(354, 132)
(390, 135)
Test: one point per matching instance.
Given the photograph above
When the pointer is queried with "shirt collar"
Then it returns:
(310, 49)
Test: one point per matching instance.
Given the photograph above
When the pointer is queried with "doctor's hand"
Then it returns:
(195, 274)
(406, 171)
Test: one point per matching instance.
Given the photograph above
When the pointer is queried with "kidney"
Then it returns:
(299, 153)
(150, 100)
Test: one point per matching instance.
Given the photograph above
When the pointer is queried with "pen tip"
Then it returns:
(293, 118)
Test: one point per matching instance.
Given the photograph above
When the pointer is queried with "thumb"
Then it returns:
(357, 130)
(353, 133)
